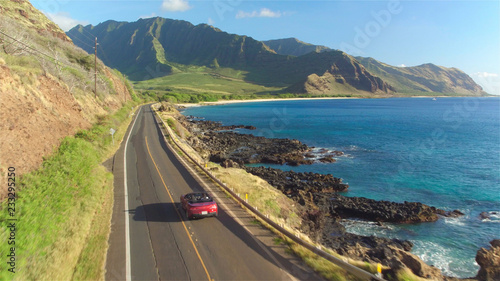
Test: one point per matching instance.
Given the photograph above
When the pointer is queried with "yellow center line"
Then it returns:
(179, 214)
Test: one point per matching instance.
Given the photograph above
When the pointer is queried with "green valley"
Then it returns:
(174, 56)
(200, 83)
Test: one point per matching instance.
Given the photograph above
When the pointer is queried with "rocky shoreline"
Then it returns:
(221, 143)
(324, 208)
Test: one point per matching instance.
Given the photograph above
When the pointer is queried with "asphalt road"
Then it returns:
(164, 245)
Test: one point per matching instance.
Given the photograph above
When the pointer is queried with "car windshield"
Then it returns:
(198, 198)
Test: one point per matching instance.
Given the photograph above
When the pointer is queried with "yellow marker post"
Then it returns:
(379, 270)
(246, 197)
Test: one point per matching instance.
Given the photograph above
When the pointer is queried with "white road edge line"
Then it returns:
(128, 276)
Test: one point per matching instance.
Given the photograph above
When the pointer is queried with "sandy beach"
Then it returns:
(256, 100)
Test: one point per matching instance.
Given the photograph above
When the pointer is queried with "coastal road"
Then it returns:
(151, 239)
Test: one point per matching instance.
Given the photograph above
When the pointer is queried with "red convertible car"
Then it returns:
(199, 204)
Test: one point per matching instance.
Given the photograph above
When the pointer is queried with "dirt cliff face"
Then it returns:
(343, 75)
(37, 112)
(355, 74)
(46, 90)
(34, 118)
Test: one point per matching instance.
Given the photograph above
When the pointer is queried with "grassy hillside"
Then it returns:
(348, 78)
(200, 83)
(225, 83)
(24, 14)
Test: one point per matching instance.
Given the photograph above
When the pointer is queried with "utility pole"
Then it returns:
(95, 67)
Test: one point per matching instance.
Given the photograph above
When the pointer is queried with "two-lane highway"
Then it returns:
(160, 243)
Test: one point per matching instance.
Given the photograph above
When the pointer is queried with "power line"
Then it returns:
(43, 54)
(92, 35)
(86, 36)
(26, 45)
(91, 38)
(35, 51)
(103, 53)
(95, 67)
(79, 39)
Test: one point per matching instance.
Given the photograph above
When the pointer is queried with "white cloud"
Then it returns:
(175, 5)
(489, 81)
(484, 74)
(263, 13)
(269, 14)
(210, 21)
(402, 65)
(153, 15)
(64, 20)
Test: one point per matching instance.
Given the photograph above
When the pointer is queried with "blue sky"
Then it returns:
(461, 34)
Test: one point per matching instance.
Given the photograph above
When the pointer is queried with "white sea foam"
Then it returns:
(434, 254)
(446, 259)
(320, 152)
(460, 221)
(367, 228)
(493, 221)
(352, 148)
(438, 254)
(492, 216)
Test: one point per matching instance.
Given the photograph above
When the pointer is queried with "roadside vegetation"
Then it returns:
(63, 209)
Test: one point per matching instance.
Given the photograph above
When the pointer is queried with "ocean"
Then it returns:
(443, 153)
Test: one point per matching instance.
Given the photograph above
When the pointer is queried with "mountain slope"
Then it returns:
(293, 47)
(148, 47)
(155, 47)
(424, 78)
(46, 87)
(342, 74)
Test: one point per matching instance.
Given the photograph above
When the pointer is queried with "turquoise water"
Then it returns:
(444, 153)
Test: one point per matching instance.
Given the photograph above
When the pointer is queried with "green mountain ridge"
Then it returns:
(158, 47)
(293, 47)
(158, 44)
(425, 78)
